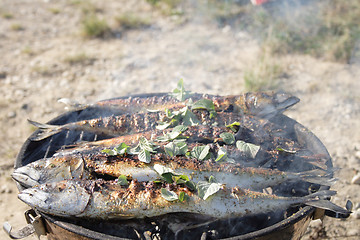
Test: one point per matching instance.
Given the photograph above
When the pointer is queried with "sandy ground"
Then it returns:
(34, 73)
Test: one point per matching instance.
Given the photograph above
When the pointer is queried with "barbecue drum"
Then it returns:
(283, 224)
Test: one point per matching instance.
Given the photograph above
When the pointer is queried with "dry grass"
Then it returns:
(132, 21)
(168, 7)
(79, 58)
(95, 27)
(7, 15)
(264, 74)
(326, 29)
(16, 27)
(54, 10)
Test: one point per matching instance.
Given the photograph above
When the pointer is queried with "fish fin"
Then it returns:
(320, 194)
(317, 176)
(48, 130)
(72, 104)
(327, 205)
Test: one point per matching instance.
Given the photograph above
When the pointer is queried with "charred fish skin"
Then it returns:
(138, 121)
(76, 165)
(109, 200)
(252, 102)
(127, 124)
(115, 125)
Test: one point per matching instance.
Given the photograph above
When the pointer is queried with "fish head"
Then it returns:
(65, 198)
(48, 170)
(268, 105)
(27, 176)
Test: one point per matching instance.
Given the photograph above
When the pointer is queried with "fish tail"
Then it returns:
(318, 200)
(48, 130)
(287, 103)
(317, 176)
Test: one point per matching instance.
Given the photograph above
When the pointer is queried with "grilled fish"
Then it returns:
(83, 165)
(109, 200)
(262, 105)
(126, 124)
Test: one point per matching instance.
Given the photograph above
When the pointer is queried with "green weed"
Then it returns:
(54, 10)
(264, 75)
(79, 58)
(132, 21)
(168, 7)
(95, 27)
(16, 27)
(28, 51)
(7, 15)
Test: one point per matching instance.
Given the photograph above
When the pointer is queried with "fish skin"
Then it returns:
(76, 165)
(138, 120)
(109, 200)
(127, 124)
(112, 125)
(255, 103)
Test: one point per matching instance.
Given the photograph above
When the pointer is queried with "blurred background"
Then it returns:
(88, 50)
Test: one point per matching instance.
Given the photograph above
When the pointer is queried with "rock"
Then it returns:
(356, 214)
(5, 189)
(11, 114)
(356, 179)
(353, 232)
(2, 74)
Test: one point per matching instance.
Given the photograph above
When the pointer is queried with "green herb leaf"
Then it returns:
(285, 150)
(121, 149)
(179, 93)
(205, 104)
(222, 155)
(169, 195)
(122, 180)
(201, 152)
(183, 197)
(212, 179)
(168, 113)
(145, 144)
(165, 172)
(182, 179)
(191, 185)
(175, 133)
(228, 138)
(160, 169)
(176, 148)
(144, 156)
(110, 152)
(234, 126)
(164, 125)
(143, 150)
(168, 177)
(249, 149)
(206, 189)
(189, 118)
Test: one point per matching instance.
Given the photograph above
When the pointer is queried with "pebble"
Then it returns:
(5, 189)
(353, 232)
(356, 214)
(11, 114)
(356, 179)
(2, 74)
